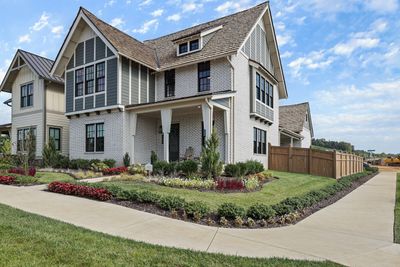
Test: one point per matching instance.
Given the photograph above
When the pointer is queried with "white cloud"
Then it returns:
(284, 39)
(42, 22)
(382, 6)
(157, 13)
(233, 6)
(57, 30)
(24, 39)
(145, 3)
(353, 44)
(174, 17)
(109, 3)
(117, 22)
(286, 54)
(151, 24)
(313, 61)
(191, 7)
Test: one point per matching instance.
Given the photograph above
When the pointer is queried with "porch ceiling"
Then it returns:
(189, 110)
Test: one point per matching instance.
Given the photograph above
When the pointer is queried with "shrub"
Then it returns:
(5, 166)
(171, 203)
(115, 171)
(251, 183)
(80, 190)
(230, 184)
(192, 184)
(110, 163)
(160, 167)
(98, 166)
(80, 164)
(297, 203)
(254, 166)
(282, 209)
(238, 221)
(223, 221)
(24, 180)
(371, 169)
(170, 168)
(188, 167)
(260, 211)
(136, 169)
(7, 180)
(50, 154)
(242, 169)
(127, 160)
(153, 157)
(196, 207)
(251, 222)
(231, 170)
(32, 171)
(211, 166)
(131, 195)
(62, 162)
(148, 197)
(230, 211)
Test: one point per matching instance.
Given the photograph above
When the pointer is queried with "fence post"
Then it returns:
(290, 159)
(310, 161)
(334, 165)
(269, 156)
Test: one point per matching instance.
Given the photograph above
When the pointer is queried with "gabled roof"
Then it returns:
(124, 44)
(292, 117)
(38, 64)
(227, 40)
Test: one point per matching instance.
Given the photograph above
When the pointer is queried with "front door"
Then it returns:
(174, 143)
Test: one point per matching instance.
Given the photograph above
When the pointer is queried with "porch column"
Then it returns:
(291, 141)
(207, 112)
(166, 117)
(132, 130)
(227, 126)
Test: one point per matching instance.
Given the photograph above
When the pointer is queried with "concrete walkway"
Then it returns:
(357, 230)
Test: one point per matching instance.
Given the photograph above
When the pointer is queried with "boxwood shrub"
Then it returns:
(196, 207)
(230, 211)
(171, 203)
(260, 211)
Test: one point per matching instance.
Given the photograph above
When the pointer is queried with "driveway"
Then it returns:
(357, 230)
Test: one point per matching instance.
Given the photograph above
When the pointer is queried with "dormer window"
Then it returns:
(189, 47)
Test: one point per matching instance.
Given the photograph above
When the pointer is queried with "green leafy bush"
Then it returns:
(110, 162)
(136, 169)
(251, 183)
(260, 211)
(254, 166)
(242, 169)
(22, 179)
(77, 164)
(153, 157)
(99, 167)
(196, 207)
(160, 167)
(127, 160)
(62, 162)
(282, 209)
(5, 166)
(296, 203)
(171, 203)
(230, 211)
(188, 167)
(211, 166)
(231, 170)
(148, 197)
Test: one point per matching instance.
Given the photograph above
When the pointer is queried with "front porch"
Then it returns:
(289, 138)
(176, 130)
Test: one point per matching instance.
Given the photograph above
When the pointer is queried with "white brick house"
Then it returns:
(166, 95)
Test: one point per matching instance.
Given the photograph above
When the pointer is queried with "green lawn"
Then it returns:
(48, 177)
(31, 240)
(397, 213)
(288, 184)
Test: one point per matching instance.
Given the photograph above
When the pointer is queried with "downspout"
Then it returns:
(232, 111)
(44, 113)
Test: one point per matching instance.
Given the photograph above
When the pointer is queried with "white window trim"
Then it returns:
(188, 45)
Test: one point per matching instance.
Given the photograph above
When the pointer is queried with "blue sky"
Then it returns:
(342, 56)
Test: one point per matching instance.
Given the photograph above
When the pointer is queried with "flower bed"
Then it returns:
(80, 190)
(190, 184)
(8, 180)
(21, 171)
(115, 171)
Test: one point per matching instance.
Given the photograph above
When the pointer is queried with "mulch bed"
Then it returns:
(213, 219)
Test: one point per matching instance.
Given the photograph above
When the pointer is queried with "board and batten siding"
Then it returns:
(112, 82)
(125, 81)
(143, 84)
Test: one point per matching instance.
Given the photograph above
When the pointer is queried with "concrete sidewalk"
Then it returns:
(357, 230)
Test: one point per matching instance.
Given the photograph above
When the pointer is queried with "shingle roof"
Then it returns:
(227, 40)
(292, 117)
(123, 43)
(40, 65)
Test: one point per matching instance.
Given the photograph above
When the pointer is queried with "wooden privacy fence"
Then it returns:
(315, 162)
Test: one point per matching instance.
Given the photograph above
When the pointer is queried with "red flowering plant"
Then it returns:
(7, 180)
(21, 171)
(80, 191)
(230, 184)
(115, 171)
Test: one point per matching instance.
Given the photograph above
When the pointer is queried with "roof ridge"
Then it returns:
(210, 21)
(297, 104)
(36, 55)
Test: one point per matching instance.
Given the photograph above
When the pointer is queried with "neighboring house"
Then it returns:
(295, 125)
(37, 103)
(5, 130)
(167, 94)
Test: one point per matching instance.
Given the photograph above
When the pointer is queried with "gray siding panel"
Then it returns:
(71, 63)
(69, 105)
(89, 50)
(109, 52)
(100, 101)
(143, 84)
(89, 102)
(100, 49)
(79, 104)
(256, 48)
(152, 88)
(125, 82)
(135, 83)
(112, 82)
(79, 54)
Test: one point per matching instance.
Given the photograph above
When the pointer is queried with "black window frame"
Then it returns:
(100, 77)
(262, 85)
(57, 141)
(95, 141)
(183, 48)
(169, 80)
(264, 90)
(204, 76)
(27, 95)
(195, 42)
(258, 88)
(259, 141)
(89, 79)
(79, 82)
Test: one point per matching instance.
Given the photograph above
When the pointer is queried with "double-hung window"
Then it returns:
(89, 80)
(169, 83)
(100, 77)
(27, 95)
(55, 134)
(258, 88)
(259, 141)
(79, 78)
(95, 137)
(23, 137)
(264, 91)
(204, 76)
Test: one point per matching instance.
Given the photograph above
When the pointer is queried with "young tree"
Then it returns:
(211, 166)
(30, 143)
(50, 154)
